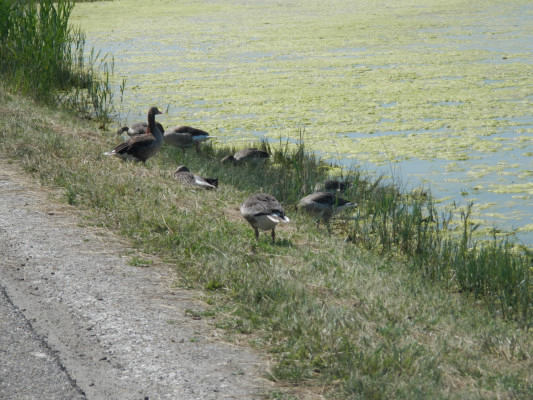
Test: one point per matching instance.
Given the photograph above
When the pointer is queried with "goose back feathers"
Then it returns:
(264, 212)
(186, 136)
(138, 128)
(246, 155)
(186, 177)
(323, 205)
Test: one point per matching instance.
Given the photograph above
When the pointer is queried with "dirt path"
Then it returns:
(115, 331)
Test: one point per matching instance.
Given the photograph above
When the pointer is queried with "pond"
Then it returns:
(433, 93)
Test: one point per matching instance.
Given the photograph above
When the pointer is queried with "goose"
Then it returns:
(333, 186)
(246, 155)
(138, 128)
(186, 177)
(263, 211)
(144, 146)
(323, 205)
(186, 136)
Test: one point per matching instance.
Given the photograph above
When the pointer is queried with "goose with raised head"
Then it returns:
(333, 186)
(186, 177)
(138, 128)
(244, 155)
(144, 146)
(263, 211)
(186, 136)
(323, 205)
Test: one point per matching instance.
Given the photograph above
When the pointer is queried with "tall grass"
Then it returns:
(441, 247)
(42, 56)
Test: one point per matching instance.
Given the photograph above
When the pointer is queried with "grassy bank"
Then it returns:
(335, 317)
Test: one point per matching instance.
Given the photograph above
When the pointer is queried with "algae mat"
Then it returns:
(431, 92)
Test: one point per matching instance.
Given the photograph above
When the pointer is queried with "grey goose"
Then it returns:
(323, 205)
(244, 155)
(186, 177)
(186, 136)
(264, 212)
(141, 147)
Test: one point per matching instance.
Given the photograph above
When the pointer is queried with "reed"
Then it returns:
(441, 247)
(43, 56)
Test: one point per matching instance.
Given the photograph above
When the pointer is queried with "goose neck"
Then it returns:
(152, 127)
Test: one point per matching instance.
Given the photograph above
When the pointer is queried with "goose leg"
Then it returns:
(328, 227)
(273, 236)
(256, 233)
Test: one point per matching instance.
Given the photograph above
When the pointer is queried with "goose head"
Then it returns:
(227, 159)
(182, 168)
(154, 111)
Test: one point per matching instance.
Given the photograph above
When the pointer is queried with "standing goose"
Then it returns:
(186, 177)
(138, 128)
(263, 211)
(186, 136)
(144, 146)
(246, 155)
(323, 205)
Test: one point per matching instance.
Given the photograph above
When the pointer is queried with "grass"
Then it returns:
(336, 317)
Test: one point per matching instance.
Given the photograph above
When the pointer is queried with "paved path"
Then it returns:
(78, 322)
(28, 368)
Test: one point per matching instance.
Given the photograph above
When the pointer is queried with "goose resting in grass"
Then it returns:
(333, 186)
(323, 205)
(246, 155)
(263, 211)
(138, 128)
(186, 136)
(144, 146)
(186, 177)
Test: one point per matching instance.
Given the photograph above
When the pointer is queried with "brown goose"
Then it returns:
(186, 136)
(186, 177)
(323, 205)
(246, 155)
(333, 186)
(138, 128)
(263, 211)
(144, 146)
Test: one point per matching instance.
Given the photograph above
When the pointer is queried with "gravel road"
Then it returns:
(78, 322)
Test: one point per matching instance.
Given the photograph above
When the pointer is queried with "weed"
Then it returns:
(137, 261)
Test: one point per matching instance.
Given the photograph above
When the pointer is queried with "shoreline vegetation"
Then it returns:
(43, 57)
(401, 301)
